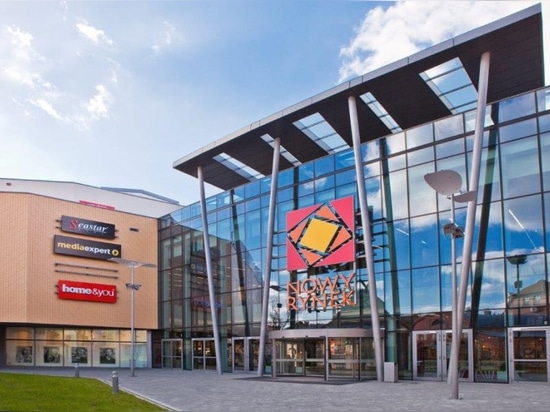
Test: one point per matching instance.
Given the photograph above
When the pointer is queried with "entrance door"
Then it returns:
(290, 357)
(245, 354)
(344, 357)
(204, 354)
(529, 348)
(432, 354)
(171, 353)
(315, 357)
(301, 357)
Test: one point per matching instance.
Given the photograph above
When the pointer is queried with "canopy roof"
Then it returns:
(403, 90)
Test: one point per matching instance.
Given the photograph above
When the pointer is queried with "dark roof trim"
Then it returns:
(515, 44)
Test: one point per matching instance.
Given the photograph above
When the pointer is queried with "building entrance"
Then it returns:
(432, 354)
(323, 353)
(204, 354)
(244, 353)
(529, 348)
(172, 353)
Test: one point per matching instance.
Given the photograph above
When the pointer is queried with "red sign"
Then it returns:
(94, 292)
(321, 235)
(87, 203)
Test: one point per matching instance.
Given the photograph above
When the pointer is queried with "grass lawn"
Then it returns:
(22, 392)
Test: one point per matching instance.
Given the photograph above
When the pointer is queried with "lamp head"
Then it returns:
(444, 182)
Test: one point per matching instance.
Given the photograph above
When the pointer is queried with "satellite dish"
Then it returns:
(444, 182)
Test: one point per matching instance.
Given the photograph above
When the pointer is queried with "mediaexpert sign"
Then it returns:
(95, 292)
(87, 227)
(65, 245)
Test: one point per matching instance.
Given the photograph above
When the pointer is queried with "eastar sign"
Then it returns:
(94, 292)
(87, 227)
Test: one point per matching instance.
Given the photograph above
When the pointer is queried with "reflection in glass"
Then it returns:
(516, 107)
(424, 241)
(450, 126)
(422, 199)
(530, 356)
(449, 148)
(522, 223)
(425, 284)
(419, 136)
(521, 174)
(420, 156)
(490, 355)
(545, 159)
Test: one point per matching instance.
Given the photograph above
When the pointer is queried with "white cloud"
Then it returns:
(47, 107)
(20, 59)
(170, 36)
(20, 39)
(95, 35)
(54, 85)
(387, 35)
(99, 104)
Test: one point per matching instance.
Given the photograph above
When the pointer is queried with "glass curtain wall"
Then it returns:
(508, 282)
(57, 347)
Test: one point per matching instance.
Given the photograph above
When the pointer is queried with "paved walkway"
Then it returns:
(194, 391)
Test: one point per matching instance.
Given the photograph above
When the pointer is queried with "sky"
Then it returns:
(111, 93)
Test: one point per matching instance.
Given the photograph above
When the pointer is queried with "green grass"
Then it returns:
(22, 392)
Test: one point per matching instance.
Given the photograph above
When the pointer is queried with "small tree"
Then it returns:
(278, 315)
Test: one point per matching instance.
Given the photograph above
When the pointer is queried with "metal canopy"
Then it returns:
(516, 48)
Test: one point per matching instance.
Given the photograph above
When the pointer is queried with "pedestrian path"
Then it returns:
(197, 391)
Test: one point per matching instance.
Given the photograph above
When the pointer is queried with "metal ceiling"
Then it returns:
(516, 66)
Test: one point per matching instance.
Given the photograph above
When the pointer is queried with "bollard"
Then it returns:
(76, 371)
(115, 382)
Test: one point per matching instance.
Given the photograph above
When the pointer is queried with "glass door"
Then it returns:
(432, 354)
(253, 353)
(245, 354)
(171, 353)
(204, 354)
(238, 354)
(344, 358)
(529, 354)
(427, 355)
(315, 357)
(290, 357)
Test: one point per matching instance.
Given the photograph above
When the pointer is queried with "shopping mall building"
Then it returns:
(329, 250)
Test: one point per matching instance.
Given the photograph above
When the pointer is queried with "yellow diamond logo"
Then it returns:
(319, 235)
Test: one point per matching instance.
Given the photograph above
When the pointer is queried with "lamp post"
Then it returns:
(517, 260)
(448, 183)
(132, 287)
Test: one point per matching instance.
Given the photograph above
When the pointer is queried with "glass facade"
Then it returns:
(57, 347)
(507, 300)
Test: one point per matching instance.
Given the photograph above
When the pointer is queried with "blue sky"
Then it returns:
(111, 93)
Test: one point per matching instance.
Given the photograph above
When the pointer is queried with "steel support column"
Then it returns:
(209, 273)
(472, 206)
(367, 237)
(269, 253)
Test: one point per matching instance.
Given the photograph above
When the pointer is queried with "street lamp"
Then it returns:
(449, 183)
(132, 287)
(517, 260)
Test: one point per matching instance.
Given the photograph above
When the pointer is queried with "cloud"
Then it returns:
(169, 36)
(388, 34)
(99, 104)
(95, 35)
(47, 107)
(54, 85)
(20, 58)
(21, 40)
